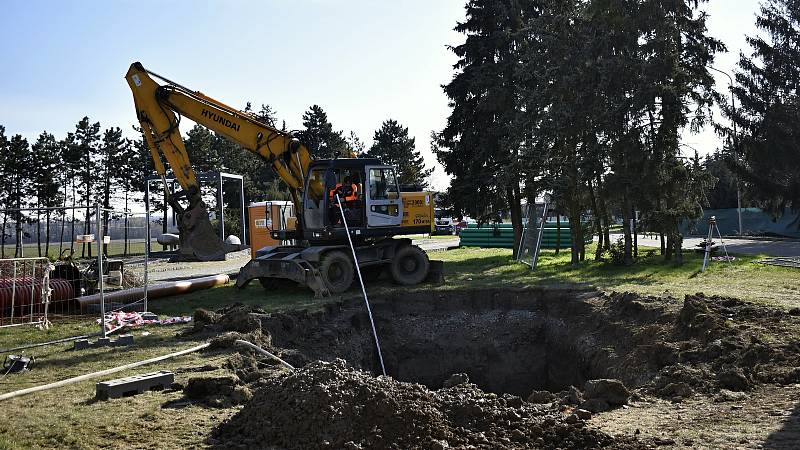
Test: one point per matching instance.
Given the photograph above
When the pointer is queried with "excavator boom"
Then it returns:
(159, 108)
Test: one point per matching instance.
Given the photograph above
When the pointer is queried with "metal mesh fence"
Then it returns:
(25, 291)
(63, 244)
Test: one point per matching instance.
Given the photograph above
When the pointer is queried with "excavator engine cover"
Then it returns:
(198, 241)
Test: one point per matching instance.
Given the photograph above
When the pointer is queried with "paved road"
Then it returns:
(734, 245)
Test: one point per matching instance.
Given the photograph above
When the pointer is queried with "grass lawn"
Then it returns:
(651, 275)
(69, 417)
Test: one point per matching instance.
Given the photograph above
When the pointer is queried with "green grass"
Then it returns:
(69, 417)
(254, 294)
(651, 275)
(115, 248)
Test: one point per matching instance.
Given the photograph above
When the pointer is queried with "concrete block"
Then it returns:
(81, 344)
(136, 384)
(124, 339)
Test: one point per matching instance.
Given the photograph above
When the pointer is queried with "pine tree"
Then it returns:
(4, 190)
(766, 150)
(112, 161)
(202, 148)
(85, 148)
(47, 156)
(318, 135)
(355, 144)
(17, 183)
(392, 145)
(480, 144)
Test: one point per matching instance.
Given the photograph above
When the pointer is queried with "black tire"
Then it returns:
(372, 273)
(337, 271)
(410, 265)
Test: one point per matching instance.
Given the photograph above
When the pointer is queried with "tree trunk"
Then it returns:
(125, 232)
(18, 251)
(47, 232)
(661, 238)
(514, 201)
(678, 241)
(63, 219)
(72, 220)
(601, 203)
(635, 232)
(558, 231)
(3, 244)
(39, 231)
(598, 254)
(575, 233)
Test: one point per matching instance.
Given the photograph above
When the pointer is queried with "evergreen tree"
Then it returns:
(203, 149)
(479, 146)
(318, 135)
(355, 144)
(112, 162)
(85, 144)
(392, 145)
(766, 150)
(16, 184)
(47, 156)
(723, 195)
(4, 197)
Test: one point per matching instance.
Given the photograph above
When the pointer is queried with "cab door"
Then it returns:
(384, 206)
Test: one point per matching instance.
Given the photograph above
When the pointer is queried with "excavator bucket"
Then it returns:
(198, 241)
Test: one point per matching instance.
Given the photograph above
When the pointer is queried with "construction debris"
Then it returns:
(136, 384)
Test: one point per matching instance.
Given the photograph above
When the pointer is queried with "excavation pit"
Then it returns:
(506, 342)
(511, 343)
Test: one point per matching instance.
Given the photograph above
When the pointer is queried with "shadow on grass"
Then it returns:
(144, 347)
(252, 295)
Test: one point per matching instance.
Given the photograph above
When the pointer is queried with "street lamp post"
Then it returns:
(735, 146)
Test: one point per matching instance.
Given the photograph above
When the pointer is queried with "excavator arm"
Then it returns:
(159, 108)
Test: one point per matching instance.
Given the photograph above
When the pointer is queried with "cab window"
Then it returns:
(382, 184)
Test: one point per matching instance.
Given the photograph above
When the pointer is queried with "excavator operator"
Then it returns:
(348, 191)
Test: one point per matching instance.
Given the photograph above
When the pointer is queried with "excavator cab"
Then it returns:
(370, 198)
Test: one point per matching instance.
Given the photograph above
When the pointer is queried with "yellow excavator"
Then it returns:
(318, 254)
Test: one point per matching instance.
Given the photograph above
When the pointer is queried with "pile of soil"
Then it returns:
(706, 345)
(331, 405)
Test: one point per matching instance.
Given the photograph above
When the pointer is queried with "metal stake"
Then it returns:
(539, 238)
(361, 281)
(100, 271)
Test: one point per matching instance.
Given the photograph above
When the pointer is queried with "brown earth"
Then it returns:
(717, 360)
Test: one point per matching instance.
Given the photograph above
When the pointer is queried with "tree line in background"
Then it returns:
(587, 100)
(89, 166)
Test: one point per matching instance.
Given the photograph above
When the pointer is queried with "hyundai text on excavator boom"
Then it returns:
(319, 257)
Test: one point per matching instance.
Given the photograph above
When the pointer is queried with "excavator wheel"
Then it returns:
(337, 270)
(410, 265)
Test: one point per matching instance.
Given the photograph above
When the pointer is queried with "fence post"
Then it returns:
(100, 270)
(146, 254)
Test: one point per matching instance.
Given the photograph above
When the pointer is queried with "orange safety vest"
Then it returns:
(350, 198)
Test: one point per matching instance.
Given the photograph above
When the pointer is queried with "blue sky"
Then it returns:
(362, 61)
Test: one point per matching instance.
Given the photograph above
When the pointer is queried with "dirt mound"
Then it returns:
(218, 392)
(330, 405)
